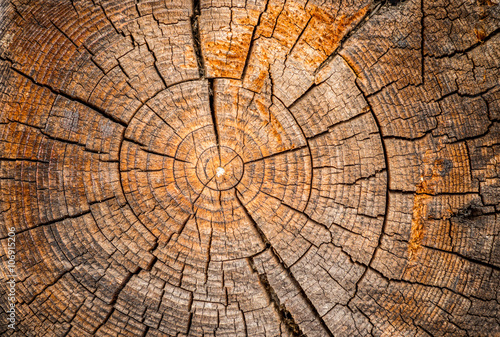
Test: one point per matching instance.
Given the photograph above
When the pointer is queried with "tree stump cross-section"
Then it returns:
(250, 168)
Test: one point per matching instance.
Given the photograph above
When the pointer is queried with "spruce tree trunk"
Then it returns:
(250, 168)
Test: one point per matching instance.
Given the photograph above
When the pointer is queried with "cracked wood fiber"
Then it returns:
(251, 168)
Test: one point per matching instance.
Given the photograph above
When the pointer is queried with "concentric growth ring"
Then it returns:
(219, 168)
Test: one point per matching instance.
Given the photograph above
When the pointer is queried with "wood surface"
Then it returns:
(251, 168)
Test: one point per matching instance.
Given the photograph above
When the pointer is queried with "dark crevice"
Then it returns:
(252, 40)
(142, 147)
(37, 161)
(337, 124)
(245, 328)
(212, 109)
(296, 41)
(160, 117)
(76, 9)
(104, 321)
(466, 258)
(422, 55)
(209, 248)
(195, 30)
(213, 112)
(276, 154)
(124, 283)
(460, 94)
(436, 194)
(64, 34)
(193, 203)
(304, 94)
(481, 135)
(46, 286)
(410, 282)
(411, 139)
(119, 289)
(145, 333)
(190, 310)
(62, 140)
(286, 317)
(304, 297)
(109, 20)
(136, 3)
(51, 222)
(16, 10)
(263, 236)
(155, 64)
(102, 200)
(394, 2)
(181, 229)
(72, 98)
(369, 13)
(468, 49)
(307, 216)
(289, 273)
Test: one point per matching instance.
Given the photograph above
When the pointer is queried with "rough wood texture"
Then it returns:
(251, 168)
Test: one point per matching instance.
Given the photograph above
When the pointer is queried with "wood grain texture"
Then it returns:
(251, 168)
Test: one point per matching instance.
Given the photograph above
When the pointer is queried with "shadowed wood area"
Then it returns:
(251, 168)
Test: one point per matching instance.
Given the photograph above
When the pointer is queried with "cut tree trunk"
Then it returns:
(250, 168)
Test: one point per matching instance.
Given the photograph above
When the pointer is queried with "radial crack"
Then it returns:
(262, 236)
(71, 98)
(369, 13)
(195, 31)
(276, 154)
(211, 94)
(289, 273)
(51, 222)
(285, 316)
(142, 147)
